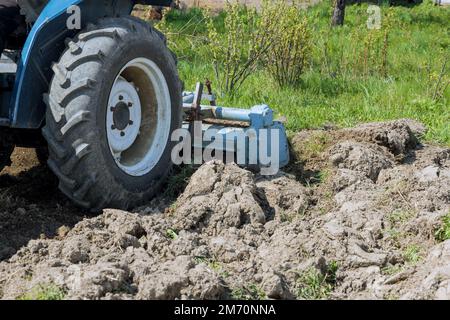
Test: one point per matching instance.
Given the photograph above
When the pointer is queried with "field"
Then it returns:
(334, 90)
(361, 212)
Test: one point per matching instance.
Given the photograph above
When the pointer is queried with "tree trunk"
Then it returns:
(338, 13)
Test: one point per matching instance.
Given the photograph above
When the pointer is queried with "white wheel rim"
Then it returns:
(138, 118)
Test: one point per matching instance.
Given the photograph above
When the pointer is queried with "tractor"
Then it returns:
(101, 99)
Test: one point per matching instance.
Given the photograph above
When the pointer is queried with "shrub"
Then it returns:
(278, 37)
(438, 80)
(238, 50)
(289, 54)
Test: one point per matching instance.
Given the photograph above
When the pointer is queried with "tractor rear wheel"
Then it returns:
(5, 156)
(113, 103)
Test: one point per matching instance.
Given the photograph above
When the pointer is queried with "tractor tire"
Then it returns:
(5, 156)
(114, 101)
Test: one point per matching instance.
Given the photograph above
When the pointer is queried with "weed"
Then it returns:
(177, 182)
(400, 216)
(313, 285)
(395, 235)
(392, 269)
(319, 177)
(171, 234)
(250, 292)
(44, 292)
(443, 232)
(285, 216)
(438, 81)
(392, 296)
(316, 144)
(412, 254)
(214, 265)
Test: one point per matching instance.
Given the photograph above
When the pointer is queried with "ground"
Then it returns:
(360, 213)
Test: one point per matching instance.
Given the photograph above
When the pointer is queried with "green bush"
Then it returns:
(238, 50)
(290, 52)
(277, 37)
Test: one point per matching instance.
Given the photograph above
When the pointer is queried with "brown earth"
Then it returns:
(353, 217)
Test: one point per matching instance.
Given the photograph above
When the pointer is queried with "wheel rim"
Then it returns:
(138, 118)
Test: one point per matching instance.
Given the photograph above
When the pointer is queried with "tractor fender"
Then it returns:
(44, 45)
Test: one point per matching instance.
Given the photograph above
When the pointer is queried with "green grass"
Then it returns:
(400, 216)
(214, 265)
(412, 254)
(250, 292)
(44, 292)
(333, 89)
(171, 234)
(313, 285)
(316, 144)
(443, 233)
(392, 269)
(178, 181)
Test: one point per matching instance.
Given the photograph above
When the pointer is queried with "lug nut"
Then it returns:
(113, 127)
(130, 104)
(120, 97)
(131, 122)
(122, 134)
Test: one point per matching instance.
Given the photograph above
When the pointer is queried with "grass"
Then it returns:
(443, 232)
(214, 265)
(316, 144)
(401, 216)
(392, 269)
(178, 181)
(171, 234)
(250, 292)
(412, 254)
(44, 292)
(313, 285)
(336, 88)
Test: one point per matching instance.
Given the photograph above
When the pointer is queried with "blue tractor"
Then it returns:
(100, 88)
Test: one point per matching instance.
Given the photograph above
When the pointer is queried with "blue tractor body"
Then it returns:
(44, 45)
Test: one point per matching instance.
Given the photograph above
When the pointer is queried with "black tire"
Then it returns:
(5, 156)
(42, 155)
(77, 102)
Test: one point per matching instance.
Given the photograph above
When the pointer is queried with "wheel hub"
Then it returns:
(121, 116)
(124, 116)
